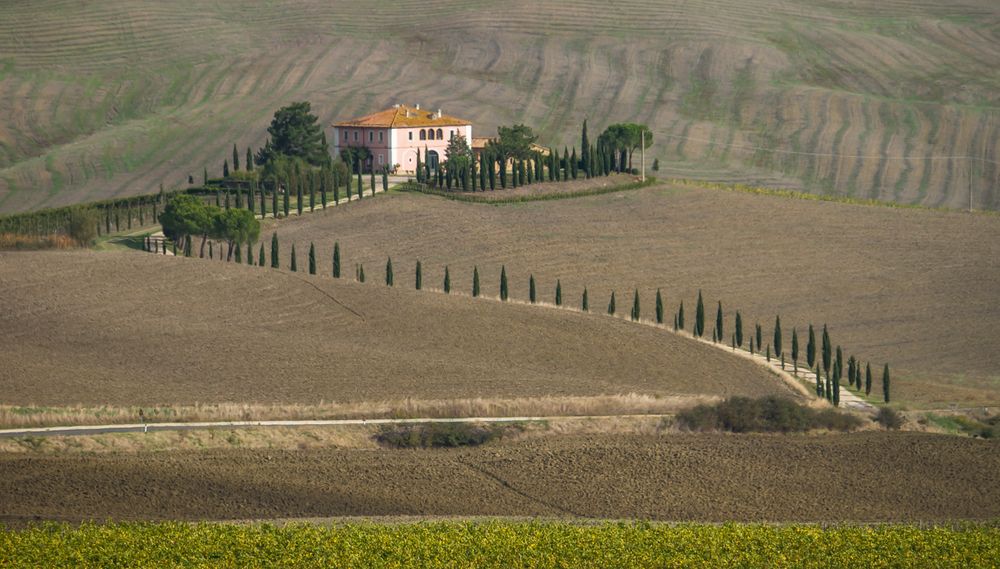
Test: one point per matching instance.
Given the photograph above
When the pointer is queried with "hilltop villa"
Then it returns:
(394, 135)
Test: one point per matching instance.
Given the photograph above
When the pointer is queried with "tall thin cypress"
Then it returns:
(274, 251)
(418, 279)
(760, 335)
(611, 304)
(294, 266)
(777, 337)
(811, 348)
(249, 253)
(795, 352)
(475, 281)
(336, 260)
(585, 304)
(361, 272)
(260, 256)
(699, 317)
(585, 150)
(447, 280)
(312, 258)
(249, 162)
(819, 383)
(236, 159)
(299, 182)
(827, 351)
(885, 383)
(659, 307)
(287, 201)
(558, 292)
(531, 289)
(503, 283)
(274, 199)
(868, 379)
(388, 272)
(739, 329)
(635, 306)
(680, 316)
(718, 322)
(840, 363)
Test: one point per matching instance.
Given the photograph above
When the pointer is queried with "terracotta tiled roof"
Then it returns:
(479, 142)
(403, 116)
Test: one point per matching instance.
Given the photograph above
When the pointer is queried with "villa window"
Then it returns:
(371, 136)
(355, 136)
(411, 135)
(440, 134)
(423, 134)
(430, 134)
(380, 136)
(380, 159)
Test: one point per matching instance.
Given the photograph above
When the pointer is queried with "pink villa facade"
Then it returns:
(394, 136)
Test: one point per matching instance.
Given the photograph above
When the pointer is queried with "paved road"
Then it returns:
(150, 427)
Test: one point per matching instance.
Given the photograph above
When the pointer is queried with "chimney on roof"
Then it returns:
(439, 113)
(417, 106)
(396, 106)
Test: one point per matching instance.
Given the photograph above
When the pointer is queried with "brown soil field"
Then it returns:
(862, 477)
(915, 288)
(132, 328)
(897, 100)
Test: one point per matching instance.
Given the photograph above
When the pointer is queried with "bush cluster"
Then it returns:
(768, 415)
(442, 435)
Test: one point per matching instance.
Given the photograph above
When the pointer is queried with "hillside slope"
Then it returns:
(142, 329)
(113, 98)
(914, 288)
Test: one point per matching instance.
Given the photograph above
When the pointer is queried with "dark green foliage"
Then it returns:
(656, 164)
(558, 292)
(249, 161)
(574, 164)
(294, 265)
(718, 323)
(659, 307)
(274, 200)
(249, 253)
(585, 303)
(298, 195)
(287, 201)
(312, 259)
(385, 180)
(795, 350)
(236, 251)
(827, 351)
(850, 371)
(447, 280)
(361, 273)
(585, 150)
(680, 316)
(322, 188)
(274, 251)
(889, 418)
(225, 168)
(769, 352)
(758, 332)
(388, 272)
(260, 256)
(768, 414)
(503, 283)
(819, 383)
(475, 281)
(236, 159)
(635, 306)
(829, 388)
(739, 329)
(811, 348)
(839, 363)
(885, 383)
(312, 191)
(777, 337)
(611, 304)
(295, 132)
(442, 435)
(419, 278)
(211, 254)
(699, 317)
(532, 297)
(836, 391)
(204, 178)
(371, 176)
(420, 168)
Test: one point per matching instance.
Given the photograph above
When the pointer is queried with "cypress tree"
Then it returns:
(418, 284)
(211, 254)
(827, 355)
(227, 198)
(659, 307)
(739, 329)
(836, 392)
(218, 197)
(699, 317)
(868, 379)
(811, 348)
(759, 333)
(294, 266)
(475, 281)
(249, 162)
(336, 188)
(531, 289)
(371, 176)
(361, 272)
(840, 363)
(769, 353)
(635, 306)
(885, 383)
(850, 371)
(312, 258)
(249, 253)
(585, 305)
(274, 251)
(299, 182)
(574, 164)
(187, 247)
(239, 198)
(361, 183)
(312, 191)
(503, 283)
(420, 169)
(611, 304)
(675, 322)
(565, 164)
(447, 280)
(819, 383)
(585, 150)
(225, 168)
(388, 272)
(857, 375)
(718, 322)
(322, 188)
(274, 200)
(239, 258)
(795, 352)
(287, 201)
(482, 177)
(680, 316)
(493, 174)
(503, 174)
(829, 388)
(260, 256)
(385, 179)
(558, 292)
(336, 260)
(252, 198)
(204, 177)
(777, 337)
(236, 159)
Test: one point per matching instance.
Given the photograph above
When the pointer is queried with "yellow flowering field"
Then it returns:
(498, 544)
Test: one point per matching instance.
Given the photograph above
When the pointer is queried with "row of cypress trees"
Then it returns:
(822, 357)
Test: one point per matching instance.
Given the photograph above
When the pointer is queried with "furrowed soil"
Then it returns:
(915, 288)
(863, 477)
(130, 328)
(898, 101)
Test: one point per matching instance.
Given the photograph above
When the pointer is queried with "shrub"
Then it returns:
(768, 414)
(442, 435)
(82, 225)
(889, 418)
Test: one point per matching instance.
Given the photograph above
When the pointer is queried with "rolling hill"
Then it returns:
(102, 99)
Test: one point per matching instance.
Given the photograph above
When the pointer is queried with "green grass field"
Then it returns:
(111, 99)
(500, 544)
